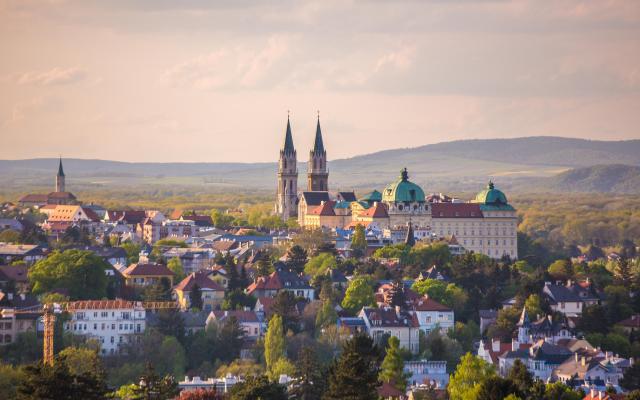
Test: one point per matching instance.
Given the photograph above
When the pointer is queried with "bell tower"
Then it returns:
(318, 176)
(287, 193)
(60, 187)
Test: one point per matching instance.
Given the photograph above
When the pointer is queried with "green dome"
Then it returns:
(403, 190)
(491, 195)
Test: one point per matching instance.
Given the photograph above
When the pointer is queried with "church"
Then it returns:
(58, 197)
(486, 224)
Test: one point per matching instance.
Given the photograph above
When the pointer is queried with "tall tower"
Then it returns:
(287, 178)
(60, 178)
(317, 176)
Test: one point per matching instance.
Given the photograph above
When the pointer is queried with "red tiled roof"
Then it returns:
(101, 305)
(388, 390)
(224, 245)
(456, 210)
(147, 270)
(91, 214)
(324, 209)
(175, 214)
(199, 278)
(378, 210)
(34, 198)
(427, 304)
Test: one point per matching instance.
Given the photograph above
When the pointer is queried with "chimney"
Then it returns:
(600, 397)
(495, 345)
(583, 361)
(576, 357)
(592, 393)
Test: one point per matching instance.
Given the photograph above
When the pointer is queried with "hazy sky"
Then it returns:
(196, 80)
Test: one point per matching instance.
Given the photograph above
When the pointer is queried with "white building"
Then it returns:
(113, 323)
(432, 315)
(427, 372)
(388, 321)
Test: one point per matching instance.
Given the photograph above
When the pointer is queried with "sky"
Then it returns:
(212, 81)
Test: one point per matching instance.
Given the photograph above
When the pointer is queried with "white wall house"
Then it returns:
(388, 321)
(113, 323)
(432, 315)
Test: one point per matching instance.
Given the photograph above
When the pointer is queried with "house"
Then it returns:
(113, 323)
(194, 322)
(394, 322)
(355, 325)
(263, 307)
(387, 391)
(212, 294)
(541, 359)
(602, 395)
(249, 321)
(487, 318)
(338, 280)
(13, 324)
(429, 372)
(630, 324)
(281, 279)
(432, 315)
(192, 260)
(589, 367)
(29, 253)
(491, 350)
(11, 223)
(18, 274)
(543, 328)
(144, 273)
(572, 298)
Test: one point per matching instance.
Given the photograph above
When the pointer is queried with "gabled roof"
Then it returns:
(388, 318)
(198, 278)
(93, 217)
(456, 210)
(34, 198)
(315, 198)
(200, 220)
(7, 249)
(278, 280)
(224, 245)
(378, 210)
(347, 196)
(147, 269)
(569, 293)
(631, 322)
(240, 315)
(428, 304)
(324, 209)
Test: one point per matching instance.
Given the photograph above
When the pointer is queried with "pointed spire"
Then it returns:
(410, 240)
(318, 146)
(524, 318)
(288, 138)
(60, 170)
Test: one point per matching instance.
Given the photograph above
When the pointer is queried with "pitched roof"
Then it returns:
(224, 245)
(378, 210)
(387, 390)
(347, 196)
(288, 139)
(198, 278)
(61, 196)
(93, 217)
(455, 210)
(147, 269)
(34, 198)
(240, 315)
(64, 213)
(315, 198)
(200, 220)
(571, 292)
(388, 317)
(631, 322)
(279, 279)
(17, 273)
(324, 209)
(7, 249)
(428, 304)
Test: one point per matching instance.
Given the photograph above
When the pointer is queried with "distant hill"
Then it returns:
(612, 178)
(463, 165)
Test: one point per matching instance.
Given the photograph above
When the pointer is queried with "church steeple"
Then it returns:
(287, 193)
(60, 184)
(317, 174)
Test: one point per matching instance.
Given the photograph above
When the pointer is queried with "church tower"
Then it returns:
(318, 176)
(287, 178)
(60, 178)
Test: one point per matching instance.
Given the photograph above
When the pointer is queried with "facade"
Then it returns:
(571, 298)
(212, 294)
(394, 322)
(287, 193)
(252, 326)
(433, 315)
(427, 372)
(143, 274)
(281, 279)
(113, 323)
(12, 324)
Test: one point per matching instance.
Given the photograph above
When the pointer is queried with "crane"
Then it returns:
(50, 310)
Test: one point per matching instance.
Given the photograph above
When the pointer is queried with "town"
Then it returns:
(419, 296)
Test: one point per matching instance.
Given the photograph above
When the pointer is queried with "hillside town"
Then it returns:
(424, 296)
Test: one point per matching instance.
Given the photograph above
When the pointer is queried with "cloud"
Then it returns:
(55, 76)
(231, 67)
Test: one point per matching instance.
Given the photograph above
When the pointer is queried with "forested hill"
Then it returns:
(613, 178)
(463, 165)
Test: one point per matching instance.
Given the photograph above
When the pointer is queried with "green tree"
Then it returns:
(320, 264)
(631, 378)
(359, 294)
(496, 388)
(533, 304)
(175, 265)
(274, 346)
(10, 236)
(354, 374)
(284, 304)
(392, 368)
(359, 242)
(520, 376)
(296, 258)
(561, 270)
(309, 377)
(221, 220)
(469, 376)
(152, 386)
(132, 250)
(79, 271)
(326, 315)
(195, 297)
(257, 388)
(10, 379)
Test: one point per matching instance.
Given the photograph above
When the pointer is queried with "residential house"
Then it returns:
(487, 318)
(592, 367)
(543, 328)
(249, 321)
(14, 323)
(113, 323)
(29, 253)
(11, 223)
(192, 260)
(393, 322)
(631, 324)
(194, 322)
(541, 359)
(281, 279)
(212, 294)
(144, 273)
(572, 298)
(432, 315)
(16, 275)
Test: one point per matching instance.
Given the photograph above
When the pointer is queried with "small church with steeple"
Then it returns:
(58, 197)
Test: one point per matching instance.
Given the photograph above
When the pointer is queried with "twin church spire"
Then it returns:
(317, 173)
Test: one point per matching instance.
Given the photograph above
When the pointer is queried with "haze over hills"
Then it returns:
(463, 165)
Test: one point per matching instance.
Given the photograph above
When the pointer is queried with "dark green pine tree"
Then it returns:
(232, 273)
(244, 280)
(258, 387)
(152, 386)
(396, 294)
(196, 297)
(296, 259)
(521, 378)
(310, 381)
(354, 375)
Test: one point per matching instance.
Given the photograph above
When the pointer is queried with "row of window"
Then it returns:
(81, 315)
(103, 326)
(480, 232)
